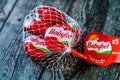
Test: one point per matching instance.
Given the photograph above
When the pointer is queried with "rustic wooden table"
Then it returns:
(99, 15)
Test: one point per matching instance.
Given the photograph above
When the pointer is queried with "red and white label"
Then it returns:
(98, 46)
(59, 32)
(102, 49)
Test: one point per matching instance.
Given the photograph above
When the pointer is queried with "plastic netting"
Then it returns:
(48, 35)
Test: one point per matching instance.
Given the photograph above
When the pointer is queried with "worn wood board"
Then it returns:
(103, 16)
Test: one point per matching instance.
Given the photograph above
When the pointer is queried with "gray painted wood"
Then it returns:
(103, 16)
(15, 64)
(6, 7)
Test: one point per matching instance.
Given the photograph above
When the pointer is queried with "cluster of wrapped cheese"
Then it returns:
(47, 31)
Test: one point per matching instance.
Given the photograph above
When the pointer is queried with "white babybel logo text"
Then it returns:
(58, 32)
(98, 46)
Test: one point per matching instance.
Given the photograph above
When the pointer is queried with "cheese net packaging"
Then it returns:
(102, 49)
(48, 36)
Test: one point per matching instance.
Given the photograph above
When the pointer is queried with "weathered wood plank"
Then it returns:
(15, 65)
(5, 8)
(102, 16)
(63, 5)
(112, 24)
(93, 14)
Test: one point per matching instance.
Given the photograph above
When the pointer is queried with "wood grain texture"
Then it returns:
(100, 16)
(63, 5)
(15, 65)
(6, 7)
(103, 16)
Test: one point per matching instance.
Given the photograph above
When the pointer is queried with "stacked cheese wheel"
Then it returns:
(49, 31)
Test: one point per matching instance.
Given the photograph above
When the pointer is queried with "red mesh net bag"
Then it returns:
(48, 36)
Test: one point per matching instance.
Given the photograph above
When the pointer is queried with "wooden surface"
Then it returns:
(99, 15)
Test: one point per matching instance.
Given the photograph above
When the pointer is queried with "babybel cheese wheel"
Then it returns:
(36, 26)
(77, 32)
(59, 38)
(35, 47)
(51, 14)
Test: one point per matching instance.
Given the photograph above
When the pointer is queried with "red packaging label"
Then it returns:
(102, 49)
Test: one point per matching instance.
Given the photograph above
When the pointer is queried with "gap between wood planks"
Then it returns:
(1, 27)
